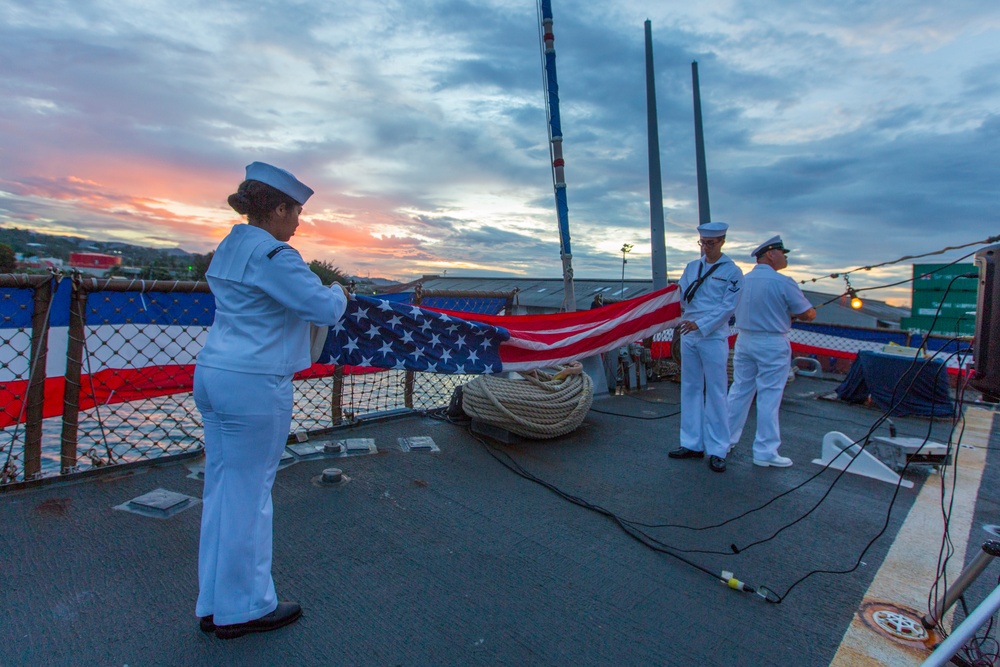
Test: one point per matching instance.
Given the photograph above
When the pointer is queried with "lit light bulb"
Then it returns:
(856, 303)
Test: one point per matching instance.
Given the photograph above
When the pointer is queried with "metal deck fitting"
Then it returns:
(159, 504)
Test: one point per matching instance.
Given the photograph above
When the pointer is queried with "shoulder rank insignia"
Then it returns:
(278, 249)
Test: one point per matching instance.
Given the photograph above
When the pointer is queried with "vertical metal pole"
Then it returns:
(963, 633)
(621, 288)
(337, 396)
(656, 225)
(42, 297)
(555, 149)
(704, 215)
(408, 389)
(74, 364)
(991, 549)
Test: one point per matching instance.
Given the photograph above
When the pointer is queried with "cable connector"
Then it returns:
(729, 580)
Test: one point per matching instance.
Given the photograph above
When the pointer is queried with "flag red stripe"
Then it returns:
(537, 341)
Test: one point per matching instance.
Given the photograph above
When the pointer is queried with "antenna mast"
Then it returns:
(555, 151)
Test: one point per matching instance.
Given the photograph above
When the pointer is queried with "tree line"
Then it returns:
(137, 261)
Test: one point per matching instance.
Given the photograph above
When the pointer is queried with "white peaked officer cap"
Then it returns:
(712, 230)
(280, 180)
(773, 243)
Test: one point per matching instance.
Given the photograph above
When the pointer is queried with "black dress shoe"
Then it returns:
(285, 614)
(207, 623)
(685, 453)
(717, 463)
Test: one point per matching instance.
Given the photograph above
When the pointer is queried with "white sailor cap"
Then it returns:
(773, 243)
(279, 179)
(712, 230)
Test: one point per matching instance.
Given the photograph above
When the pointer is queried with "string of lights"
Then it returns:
(844, 274)
(852, 292)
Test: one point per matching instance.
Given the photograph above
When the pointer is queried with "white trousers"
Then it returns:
(246, 418)
(704, 413)
(760, 365)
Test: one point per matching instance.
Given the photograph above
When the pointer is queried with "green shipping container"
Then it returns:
(957, 304)
(943, 326)
(942, 276)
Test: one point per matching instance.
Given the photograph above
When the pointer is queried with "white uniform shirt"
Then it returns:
(265, 298)
(768, 302)
(714, 302)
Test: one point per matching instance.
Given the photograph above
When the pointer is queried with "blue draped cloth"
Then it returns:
(915, 388)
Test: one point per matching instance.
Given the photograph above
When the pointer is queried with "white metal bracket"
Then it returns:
(840, 452)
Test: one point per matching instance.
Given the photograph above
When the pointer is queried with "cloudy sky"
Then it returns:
(861, 131)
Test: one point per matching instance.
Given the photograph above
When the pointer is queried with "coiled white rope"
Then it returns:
(539, 406)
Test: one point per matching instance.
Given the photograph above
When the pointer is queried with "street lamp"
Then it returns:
(626, 249)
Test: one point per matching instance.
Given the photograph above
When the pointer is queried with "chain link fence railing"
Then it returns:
(113, 364)
(98, 372)
(835, 346)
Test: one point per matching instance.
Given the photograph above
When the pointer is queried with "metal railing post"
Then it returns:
(408, 389)
(337, 396)
(991, 549)
(960, 636)
(74, 364)
(33, 415)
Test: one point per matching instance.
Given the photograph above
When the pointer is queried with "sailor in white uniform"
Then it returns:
(763, 354)
(265, 299)
(710, 287)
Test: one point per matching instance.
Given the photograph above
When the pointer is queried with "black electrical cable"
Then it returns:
(895, 494)
(863, 439)
(620, 414)
(992, 239)
(630, 527)
(630, 530)
(896, 284)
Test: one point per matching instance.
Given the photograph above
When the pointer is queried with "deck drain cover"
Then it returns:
(418, 443)
(159, 504)
(896, 622)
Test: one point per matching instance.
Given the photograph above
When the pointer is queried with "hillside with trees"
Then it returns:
(137, 261)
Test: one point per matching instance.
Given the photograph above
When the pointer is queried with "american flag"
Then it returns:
(166, 331)
(383, 334)
(379, 333)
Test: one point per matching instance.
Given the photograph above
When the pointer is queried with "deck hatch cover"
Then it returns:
(418, 443)
(159, 504)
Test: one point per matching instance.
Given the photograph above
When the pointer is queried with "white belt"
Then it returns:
(764, 334)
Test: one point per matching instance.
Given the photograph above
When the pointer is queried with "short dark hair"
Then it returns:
(256, 200)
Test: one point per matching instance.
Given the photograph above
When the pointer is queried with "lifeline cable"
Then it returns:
(992, 239)
(896, 284)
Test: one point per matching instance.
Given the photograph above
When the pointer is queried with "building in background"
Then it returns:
(93, 263)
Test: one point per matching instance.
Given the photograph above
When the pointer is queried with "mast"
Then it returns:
(555, 152)
(699, 148)
(657, 241)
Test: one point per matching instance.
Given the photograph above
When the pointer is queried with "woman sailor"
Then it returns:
(265, 299)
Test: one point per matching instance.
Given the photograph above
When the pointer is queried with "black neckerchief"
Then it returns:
(693, 287)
